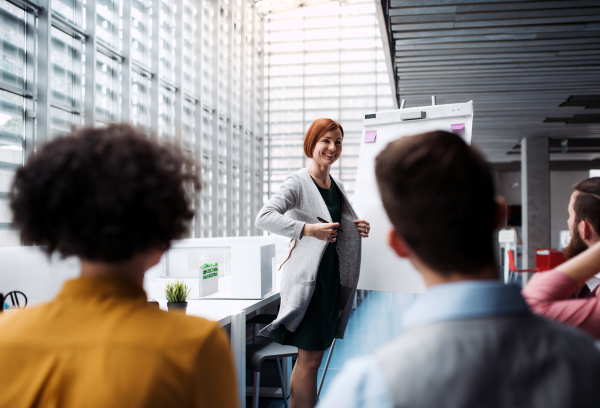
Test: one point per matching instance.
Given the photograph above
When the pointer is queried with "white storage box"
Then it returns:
(244, 270)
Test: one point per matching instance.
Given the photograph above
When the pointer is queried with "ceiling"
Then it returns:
(531, 67)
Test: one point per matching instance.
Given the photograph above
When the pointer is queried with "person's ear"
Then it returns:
(500, 212)
(585, 230)
(398, 244)
(593, 233)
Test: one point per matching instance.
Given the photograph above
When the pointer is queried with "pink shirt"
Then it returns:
(549, 294)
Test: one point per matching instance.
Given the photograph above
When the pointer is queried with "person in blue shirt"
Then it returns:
(470, 340)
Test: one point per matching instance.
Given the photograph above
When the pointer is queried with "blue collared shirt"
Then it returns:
(361, 382)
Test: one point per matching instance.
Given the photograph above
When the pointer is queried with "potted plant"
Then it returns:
(177, 293)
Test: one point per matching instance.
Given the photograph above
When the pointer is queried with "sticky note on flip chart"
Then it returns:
(457, 126)
(370, 136)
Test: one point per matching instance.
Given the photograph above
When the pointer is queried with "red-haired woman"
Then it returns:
(321, 273)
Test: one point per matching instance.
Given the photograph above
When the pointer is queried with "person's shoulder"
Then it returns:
(191, 325)
(163, 330)
(296, 181)
(568, 337)
(297, 176)
(576, 350)
(15, 323)
(419, 337)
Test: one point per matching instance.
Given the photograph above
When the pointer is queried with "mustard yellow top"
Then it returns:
(100, 344)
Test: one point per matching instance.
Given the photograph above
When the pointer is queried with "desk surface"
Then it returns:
(220, 310)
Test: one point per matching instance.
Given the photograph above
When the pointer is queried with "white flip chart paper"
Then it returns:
(381, 269)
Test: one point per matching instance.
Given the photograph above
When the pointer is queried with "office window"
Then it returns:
(167, 45)
(12, 34)
(65, 9)
(166, 111)
(222, 216)
(206, 198)
(108, 72)
(188, 140)
(11, 156)
(322, 61)
(140, 100)
(187, 72)
(65, 85)
(13, 74)
(208, 46)
(108, 22)
(190, 38)
(141, 33)
(206, 213)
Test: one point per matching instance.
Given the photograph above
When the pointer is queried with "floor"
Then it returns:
(375, 322)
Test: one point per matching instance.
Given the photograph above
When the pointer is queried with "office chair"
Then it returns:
(14, 298)
(512, 267)
(257, 353)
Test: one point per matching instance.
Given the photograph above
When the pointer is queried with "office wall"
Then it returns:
(561, 187)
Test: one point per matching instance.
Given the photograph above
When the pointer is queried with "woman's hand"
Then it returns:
(364, 227)
(323, 231)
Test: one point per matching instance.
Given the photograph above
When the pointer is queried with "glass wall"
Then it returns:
(188, 72)
(322, 61)
(14, 75)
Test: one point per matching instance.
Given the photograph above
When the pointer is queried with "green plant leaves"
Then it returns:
(177, 291)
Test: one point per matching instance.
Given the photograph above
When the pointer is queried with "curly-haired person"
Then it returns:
(116, 200)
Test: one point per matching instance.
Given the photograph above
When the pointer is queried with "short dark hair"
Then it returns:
(439, 194)
(104, 194)
(587, 203)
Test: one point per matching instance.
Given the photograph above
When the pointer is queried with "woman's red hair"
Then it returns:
(318, 128)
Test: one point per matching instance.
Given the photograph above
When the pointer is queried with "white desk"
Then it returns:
(233, 312)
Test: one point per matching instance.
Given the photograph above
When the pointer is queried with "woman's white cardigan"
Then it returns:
(298, 202)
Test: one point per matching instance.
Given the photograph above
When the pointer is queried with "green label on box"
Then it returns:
(209, 270)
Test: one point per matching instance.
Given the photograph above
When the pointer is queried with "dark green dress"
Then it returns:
(317, 328)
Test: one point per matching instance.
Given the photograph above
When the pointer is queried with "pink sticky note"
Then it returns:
(370, 136)
(458, 126)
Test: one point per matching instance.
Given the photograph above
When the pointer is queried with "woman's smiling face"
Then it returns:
(329, 148)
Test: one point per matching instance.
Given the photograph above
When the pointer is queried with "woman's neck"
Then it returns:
(319, 173)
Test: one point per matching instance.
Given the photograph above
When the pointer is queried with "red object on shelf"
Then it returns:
(547, 259)
(512, 266)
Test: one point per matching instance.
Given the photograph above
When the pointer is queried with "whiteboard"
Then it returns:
(381, 269)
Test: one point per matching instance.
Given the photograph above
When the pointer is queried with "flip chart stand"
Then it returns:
(403, 102)
(381, 269)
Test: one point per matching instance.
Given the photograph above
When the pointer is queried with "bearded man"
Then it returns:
(559, 296)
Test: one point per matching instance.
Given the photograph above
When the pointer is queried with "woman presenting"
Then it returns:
(321, 273)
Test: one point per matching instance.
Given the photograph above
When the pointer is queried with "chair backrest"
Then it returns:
(14, 296)
(511, 261)
(548, 258)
